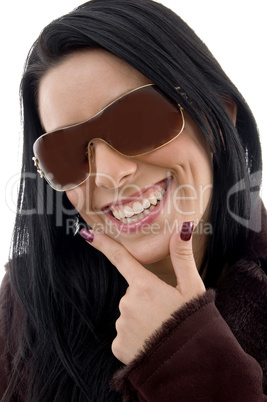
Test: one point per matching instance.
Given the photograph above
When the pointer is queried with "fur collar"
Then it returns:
(241, 297)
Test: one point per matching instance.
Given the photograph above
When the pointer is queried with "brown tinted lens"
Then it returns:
(143, 121)
(136, 124)
(62, 156)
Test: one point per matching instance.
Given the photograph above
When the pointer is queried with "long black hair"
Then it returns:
(68, 293)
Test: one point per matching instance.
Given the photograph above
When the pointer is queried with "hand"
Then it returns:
(148, 301)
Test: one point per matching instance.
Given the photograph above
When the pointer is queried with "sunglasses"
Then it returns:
(137, 123)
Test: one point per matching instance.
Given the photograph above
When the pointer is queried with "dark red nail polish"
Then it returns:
(86, 235)
(187, 230)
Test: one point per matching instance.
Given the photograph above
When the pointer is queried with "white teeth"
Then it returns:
(152, 199)
(146, 203)
(128, 211)
(146, 212)
(138, 207)
(121, 214)
(134, 219)
(141, 216)
(116, 214)
(138, 217)
(158, 195)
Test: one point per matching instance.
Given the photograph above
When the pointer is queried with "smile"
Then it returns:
(129, 216)
(139, 209)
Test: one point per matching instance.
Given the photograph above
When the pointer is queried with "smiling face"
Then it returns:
(162, 189)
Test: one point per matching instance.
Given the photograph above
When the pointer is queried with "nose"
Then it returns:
(111, 169)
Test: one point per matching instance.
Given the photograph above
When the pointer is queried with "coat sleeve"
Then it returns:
(193, 357)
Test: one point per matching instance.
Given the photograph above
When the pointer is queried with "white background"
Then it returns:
(234, 30)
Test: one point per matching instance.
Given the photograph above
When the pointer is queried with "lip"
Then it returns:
(106, 208)
(133, 227)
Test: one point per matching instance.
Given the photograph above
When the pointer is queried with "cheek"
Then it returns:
(163, 157)
(189, 160)
(74, 197)
(79, 197)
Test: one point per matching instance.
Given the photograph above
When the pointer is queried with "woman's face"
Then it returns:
(177, 177)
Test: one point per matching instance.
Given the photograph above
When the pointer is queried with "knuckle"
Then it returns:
(118, 325)
(141, 287)
(143, 291)
(184, 253)
(116, 349)
(123, 305)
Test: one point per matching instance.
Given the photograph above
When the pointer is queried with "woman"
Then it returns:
(140, 135)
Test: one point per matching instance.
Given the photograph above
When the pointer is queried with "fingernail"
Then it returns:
(86, 235)
(187, 230)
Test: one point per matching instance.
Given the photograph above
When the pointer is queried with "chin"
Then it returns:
(154, 255)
